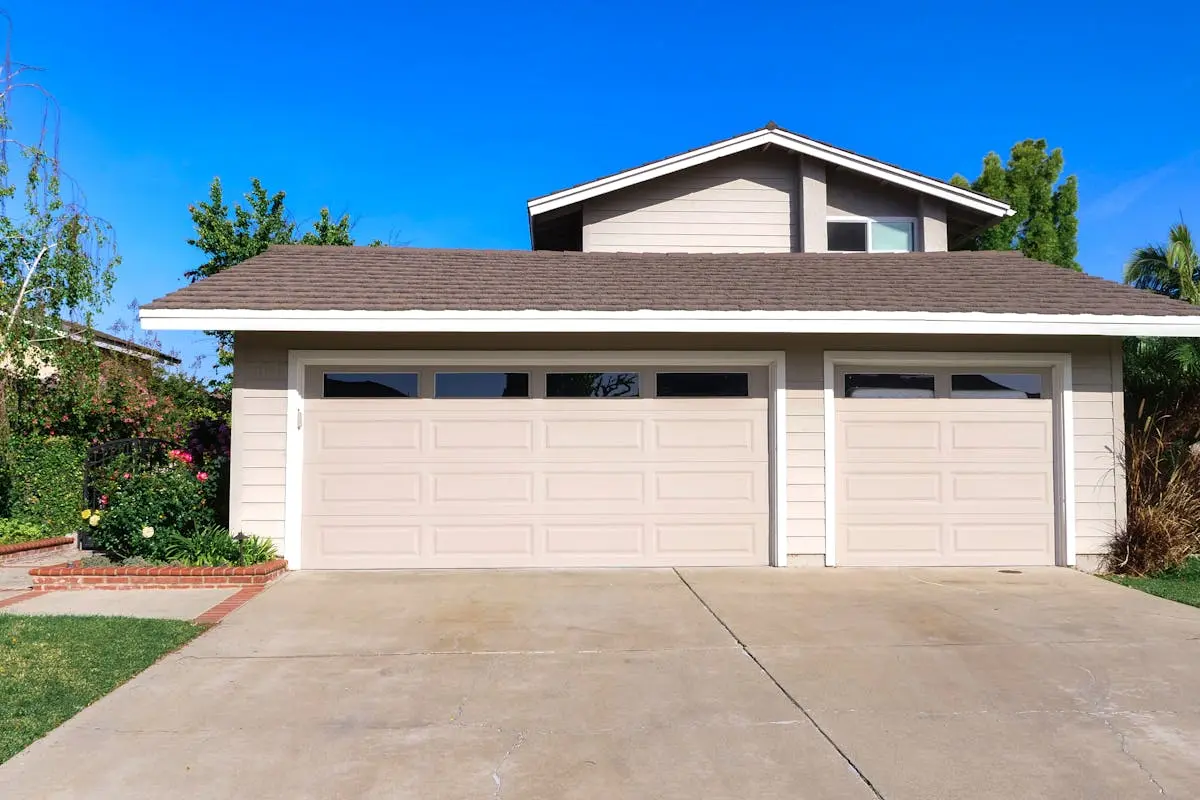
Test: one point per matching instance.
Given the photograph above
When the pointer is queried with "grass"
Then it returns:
(53, 667)
(1181, 584)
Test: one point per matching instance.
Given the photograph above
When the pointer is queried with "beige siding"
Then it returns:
(931, 221)
(814, 234)
(260, 424)
(259, 439)
(852, 195)
(742, 203)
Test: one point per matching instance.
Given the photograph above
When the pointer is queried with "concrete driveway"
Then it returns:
(635, 684)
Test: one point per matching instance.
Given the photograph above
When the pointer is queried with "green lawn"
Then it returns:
(1181, 585)
(52, 667)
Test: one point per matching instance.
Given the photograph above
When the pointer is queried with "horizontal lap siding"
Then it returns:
(806, 455)
(258, 450)
(1099, 422)
(741, 203)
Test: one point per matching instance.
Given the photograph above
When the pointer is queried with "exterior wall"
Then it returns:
(260, 414)
(739, 204)
(814, 235)
(931, 225)
(849, 194)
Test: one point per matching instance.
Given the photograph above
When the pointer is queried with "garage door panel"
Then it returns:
(871, 438)
(493, 436)
(596, 541)
(888, 540)
(1021, 537)
(365, 438)
(1003, 489)
(886, 486)
(495, 537)
(590, 433)
(606, 485)
(1004, 438)
(363, 537)
(680, 539)
(482, 486)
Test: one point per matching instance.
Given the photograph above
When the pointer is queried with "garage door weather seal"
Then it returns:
(845, 757)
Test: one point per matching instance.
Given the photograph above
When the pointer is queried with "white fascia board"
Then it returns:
(781, 138)
(894, 322)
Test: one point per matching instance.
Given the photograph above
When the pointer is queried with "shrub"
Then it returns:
(1162, 471)
(46, 483)
(15, 531)
(212, 546)
(144, 509)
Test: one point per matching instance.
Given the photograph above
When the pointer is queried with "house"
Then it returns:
(761, 351)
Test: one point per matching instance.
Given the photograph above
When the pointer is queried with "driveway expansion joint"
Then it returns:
(845, 756)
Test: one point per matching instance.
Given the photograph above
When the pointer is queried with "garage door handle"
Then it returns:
(299, 419)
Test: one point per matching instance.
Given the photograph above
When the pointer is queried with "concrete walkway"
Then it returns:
(635, 684)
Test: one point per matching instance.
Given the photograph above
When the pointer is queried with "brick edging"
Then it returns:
(227, 606)
(37, 544)
(8, 601)
(73, 576)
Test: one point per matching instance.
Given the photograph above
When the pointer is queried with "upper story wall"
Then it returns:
(763, 201)
(740, 204)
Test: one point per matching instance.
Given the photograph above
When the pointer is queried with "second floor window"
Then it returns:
(870, 236)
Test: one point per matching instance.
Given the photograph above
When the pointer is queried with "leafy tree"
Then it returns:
(57, 260)
(1165, 373)
(229, 239)
(1044, 225)
(1172, 269)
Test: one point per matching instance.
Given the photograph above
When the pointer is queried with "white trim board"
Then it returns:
(1064, 413)
(299, 360)
(759, 138)
(530, 321)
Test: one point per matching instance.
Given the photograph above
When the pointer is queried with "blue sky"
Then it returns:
(432, 123)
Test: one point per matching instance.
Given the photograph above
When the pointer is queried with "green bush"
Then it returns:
(15, 531)
(46, 483)
(212, 546)
(147, 508)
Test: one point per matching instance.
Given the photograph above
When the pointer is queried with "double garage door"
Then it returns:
(534, 466)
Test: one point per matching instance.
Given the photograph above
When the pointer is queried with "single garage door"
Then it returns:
(944, 467)
(546, 466)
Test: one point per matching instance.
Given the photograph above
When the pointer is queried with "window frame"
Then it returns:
(866, 221)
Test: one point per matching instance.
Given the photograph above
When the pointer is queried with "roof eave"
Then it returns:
(781, 138)
(719, 322)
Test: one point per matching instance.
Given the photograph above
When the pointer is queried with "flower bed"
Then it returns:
(21, 550)
(74, 576)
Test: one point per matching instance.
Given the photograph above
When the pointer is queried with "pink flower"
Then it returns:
(126, 476)
(65, 418)
(186, 457)
(201, 476)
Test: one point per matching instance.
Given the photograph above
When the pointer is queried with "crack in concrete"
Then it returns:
(499, 781)
(1124, 739)
(1098, 698)
(845, 756)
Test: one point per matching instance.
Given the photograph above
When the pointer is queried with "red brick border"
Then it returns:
(73, 576)
(12, 552)
(227, 606)
(8, 601)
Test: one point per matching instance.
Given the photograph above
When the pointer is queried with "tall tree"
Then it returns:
(1044, 225)
(1166, 372)
(1172, 269)
(229, 238)
(57, 259)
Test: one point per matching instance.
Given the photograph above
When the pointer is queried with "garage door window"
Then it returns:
(889, 385)
(1014, 386)
(593, 384)
(476, 385)
(371, 384)
(703, 384)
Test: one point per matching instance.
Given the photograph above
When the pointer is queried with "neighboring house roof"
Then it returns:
(770, 134)
(107, 341)
(295, 287)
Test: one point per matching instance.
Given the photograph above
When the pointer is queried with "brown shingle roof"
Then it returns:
(398, 278)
